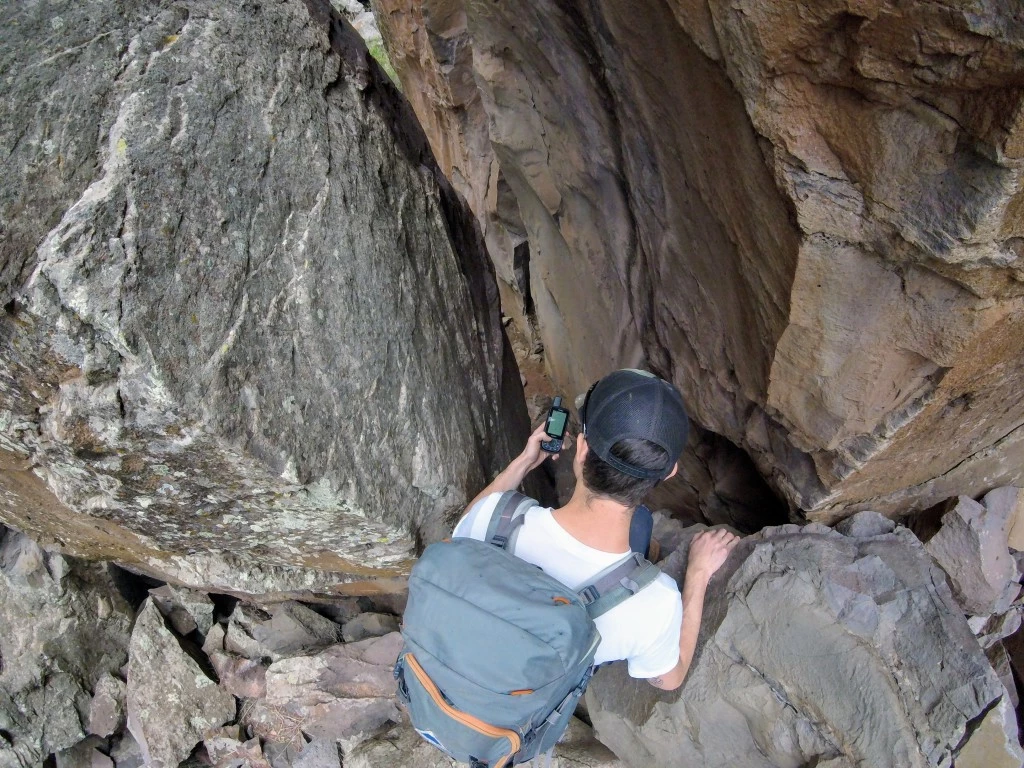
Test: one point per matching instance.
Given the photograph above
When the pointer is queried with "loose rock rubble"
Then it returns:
(64, 632)
(837, 645)
(172, 702)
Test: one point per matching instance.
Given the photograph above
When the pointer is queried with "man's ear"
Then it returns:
(675, 468)
(581, 448)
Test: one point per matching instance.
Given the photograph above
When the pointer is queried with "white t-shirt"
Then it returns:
(643, 630)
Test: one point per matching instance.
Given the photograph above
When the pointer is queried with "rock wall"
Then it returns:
(250, 338)
(823, 647)
(807, 214)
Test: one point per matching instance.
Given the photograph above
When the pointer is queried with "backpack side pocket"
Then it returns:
(459, 734)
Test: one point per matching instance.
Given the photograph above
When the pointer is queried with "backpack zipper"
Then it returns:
(459, 716)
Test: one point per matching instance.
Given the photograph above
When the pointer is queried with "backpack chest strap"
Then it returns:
(509, 513)
(616, 583)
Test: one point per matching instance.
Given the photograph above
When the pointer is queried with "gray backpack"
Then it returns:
(497, 653)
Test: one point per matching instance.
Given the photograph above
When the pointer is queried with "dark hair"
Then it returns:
(604, 480)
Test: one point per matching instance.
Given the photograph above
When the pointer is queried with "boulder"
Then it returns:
(238, 637)
(971, 547)
(85, 754)
(239, 676)
(126, 752)
(1008, 503)
(994, 743)
(280, 630)
(369, 625)
(399, 745)
(214, 640)
(172, 703)
(991, 629)
(865, 524)
(748, 197)
(187, 610)
(107, 707)
(345, 694)
(226, 749)
(580, 749)
(65, 631)
(315, 753)
(1014, 646)
(343, 609)
(815, 649)
(247, 307)
(1000, 661)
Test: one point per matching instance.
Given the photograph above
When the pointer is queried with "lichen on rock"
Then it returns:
(250, 340)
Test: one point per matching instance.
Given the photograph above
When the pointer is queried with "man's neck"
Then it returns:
(595, 521)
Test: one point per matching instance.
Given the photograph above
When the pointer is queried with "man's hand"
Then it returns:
(708, 551)
(533, 455)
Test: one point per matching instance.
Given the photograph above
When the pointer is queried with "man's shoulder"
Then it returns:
(473, 524)
(659, 595)
(649, 611)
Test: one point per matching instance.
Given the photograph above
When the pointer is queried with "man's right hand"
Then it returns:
(708, 551)
(533, 455)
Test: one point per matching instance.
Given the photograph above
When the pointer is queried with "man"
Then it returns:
(634, 427)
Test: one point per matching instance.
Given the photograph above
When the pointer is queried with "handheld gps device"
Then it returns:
(557, 421)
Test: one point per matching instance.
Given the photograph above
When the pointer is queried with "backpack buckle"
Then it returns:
(589, 594)
(499, 541)
(629, 585)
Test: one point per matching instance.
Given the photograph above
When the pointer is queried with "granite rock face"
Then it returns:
(816, 649)
(65, 630)
(250, 338)
(806, 214)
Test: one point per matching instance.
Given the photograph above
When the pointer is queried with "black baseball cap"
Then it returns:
(634, 404)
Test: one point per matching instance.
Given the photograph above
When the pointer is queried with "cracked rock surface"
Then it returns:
(816, 648)
(250, 340)
(806, 214)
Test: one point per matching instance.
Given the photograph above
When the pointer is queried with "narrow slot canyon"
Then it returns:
(287, 283)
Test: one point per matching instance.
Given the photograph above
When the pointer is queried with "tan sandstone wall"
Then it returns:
(807, 214)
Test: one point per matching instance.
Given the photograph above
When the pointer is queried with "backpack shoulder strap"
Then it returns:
(506, 518)
(616, 583)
